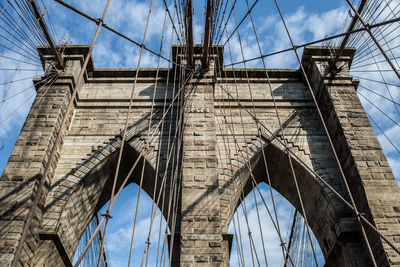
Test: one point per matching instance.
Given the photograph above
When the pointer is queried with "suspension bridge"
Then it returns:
(245, 164)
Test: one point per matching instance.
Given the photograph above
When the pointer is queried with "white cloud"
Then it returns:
(130, 17)
(393, 134)
(395, 165)
(303, 25)
(272, 241)
(366, 65)
(14, 110)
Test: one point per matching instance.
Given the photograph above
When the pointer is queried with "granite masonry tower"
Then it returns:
(212, 174)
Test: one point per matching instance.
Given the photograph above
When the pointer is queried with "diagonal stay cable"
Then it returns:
(173, 203)
(8, 88)
(259, 223)
(362, 46)
(383, 112)
(368, 29)
(226, 20)
(264, 158)
(169, 148)
(46, 171)
(383, 79)
(283, 135)
(327, 132)
(252, 101)
(243, 201)
(240, 23)
(48, 80)
(108, 215)
(375, 93)
(21, 61)
(376, 81)
(383, 132)
(147, 142)
(153, 210)
(141, 154)
(97, 21)
(282, 131)
(172, 21)
(232, 132)
(227, 148)
(162, 187)
(276, 225)
(315, 42)
(316, 175)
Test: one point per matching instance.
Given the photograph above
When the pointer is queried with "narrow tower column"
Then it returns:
(19, 181)
(201, 238)
(368, 174)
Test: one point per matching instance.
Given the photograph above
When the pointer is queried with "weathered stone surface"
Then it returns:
(223, 152)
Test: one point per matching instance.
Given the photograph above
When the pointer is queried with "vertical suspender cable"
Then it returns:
(46, 171)
(327, 133)
(374, 39)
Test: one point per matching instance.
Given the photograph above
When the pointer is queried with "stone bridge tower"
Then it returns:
(212, 174)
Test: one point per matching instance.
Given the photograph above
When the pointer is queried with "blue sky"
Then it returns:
(307, 20)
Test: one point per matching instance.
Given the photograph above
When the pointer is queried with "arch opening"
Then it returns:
(325, 214)
(263, 245)
(119, 233)
(90, 197)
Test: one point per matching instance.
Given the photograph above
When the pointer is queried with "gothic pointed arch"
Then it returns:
(333, 228)
(87, 188)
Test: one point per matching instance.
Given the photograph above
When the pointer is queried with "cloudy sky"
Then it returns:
(307, 20)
